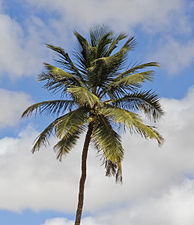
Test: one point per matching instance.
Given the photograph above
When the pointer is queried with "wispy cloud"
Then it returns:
(175, 55)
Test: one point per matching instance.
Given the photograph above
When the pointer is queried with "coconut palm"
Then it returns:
(99, 95)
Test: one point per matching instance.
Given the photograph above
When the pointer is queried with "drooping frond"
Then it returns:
(148, 132)
(84, 96)
(142, 100)
(132, 121)
(42, 139)
(108, 141)
(68, 141)
(71, 122)
(114, 170)
(50, 107)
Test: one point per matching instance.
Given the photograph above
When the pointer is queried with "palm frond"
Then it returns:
(68, 141)
(51, 107)
(72, 121)
(65, 60)
(142, 100)
(52, 83)
(129, 44)
(60, 74)
(114, 44)
(114, 170)
(132, 121)
(84, 96)
(108, 142)
(103, 44)
(96, 34)
(104, 68)
(148, 132)
(140, 66)
(134, 79)
(42, 139)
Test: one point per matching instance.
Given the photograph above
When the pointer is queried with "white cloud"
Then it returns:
(23, 44)
(151, 14)
(21, 54)
(175, 56)
(174, 207)
(12, 104)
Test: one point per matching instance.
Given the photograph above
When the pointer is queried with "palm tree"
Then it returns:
(98, 96)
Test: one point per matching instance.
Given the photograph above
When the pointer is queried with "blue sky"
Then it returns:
(39, 190)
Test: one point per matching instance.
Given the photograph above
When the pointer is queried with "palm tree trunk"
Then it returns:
(83, 175)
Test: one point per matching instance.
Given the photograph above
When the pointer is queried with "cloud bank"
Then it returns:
(174, 207)
(124, 14)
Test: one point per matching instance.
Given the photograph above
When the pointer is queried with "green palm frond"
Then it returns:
(57, 49)
(97, 33)
(108, 142)
(140, 66)
(88, 53)
(120, 86)
(51, 107)
(148, 132)
(103, 44)
(71, 122)
(62, 125)
(142, 100)
(42, 139)
(52, 83)
(129, 44)
(82, 41)
(132, 121)
(134, 79)
(114, 44)
(104, 68)
(65, 60)
(60, 74)
(93, 38)
(68, 141)
(84, 96)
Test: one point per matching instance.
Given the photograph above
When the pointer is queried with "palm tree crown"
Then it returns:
(98, 96)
